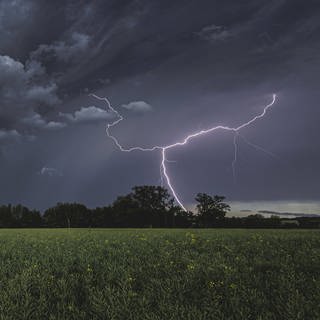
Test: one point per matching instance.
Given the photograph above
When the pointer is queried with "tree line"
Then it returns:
(143, 207)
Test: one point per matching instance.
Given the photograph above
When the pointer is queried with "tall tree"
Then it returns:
(67, 215)
(30, 219)
(145, 206)
(103, 217)
(211, 210)
(6, 217)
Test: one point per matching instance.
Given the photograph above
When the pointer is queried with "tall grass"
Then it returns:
(159, 274)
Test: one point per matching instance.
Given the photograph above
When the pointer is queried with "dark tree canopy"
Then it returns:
(19, 216)
(211, 209)
(152, 197)
(67, 215)
(147, 206)
(144, 206)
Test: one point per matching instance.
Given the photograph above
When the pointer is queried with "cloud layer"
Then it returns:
(88, 114)
(137, 106)
(192, 65)
(214, 33)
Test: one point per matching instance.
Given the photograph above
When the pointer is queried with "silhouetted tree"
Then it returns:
(6, 217)
(66, 215)
(17, 212)
(19, 216)
(145, 206)
(103, 217)
(183, 219)
(30, 219)
(255, 220)
(211, 210)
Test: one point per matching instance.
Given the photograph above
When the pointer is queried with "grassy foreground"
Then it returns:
(159, 274)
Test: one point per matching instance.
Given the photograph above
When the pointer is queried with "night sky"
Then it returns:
(171, 68)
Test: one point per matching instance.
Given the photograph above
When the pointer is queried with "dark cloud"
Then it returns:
(36, 121)
(9, 136)
(214, 33)
(51, 172)
(197, 65)
(21, 92)
(289, 214)
(63, 51)
(88, 114)
(137, 106)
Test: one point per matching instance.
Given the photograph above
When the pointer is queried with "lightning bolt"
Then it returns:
(163, 169)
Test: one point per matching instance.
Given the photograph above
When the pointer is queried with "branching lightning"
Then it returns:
(163, 149)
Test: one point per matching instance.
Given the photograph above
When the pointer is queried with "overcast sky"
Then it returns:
(171, 68)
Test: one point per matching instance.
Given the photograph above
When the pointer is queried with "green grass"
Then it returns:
(159, 274)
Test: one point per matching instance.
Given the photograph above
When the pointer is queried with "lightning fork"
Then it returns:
(164, 149)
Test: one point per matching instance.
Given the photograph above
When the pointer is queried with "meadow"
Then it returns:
(159, 274)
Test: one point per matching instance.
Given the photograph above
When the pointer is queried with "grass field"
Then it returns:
(159, 274)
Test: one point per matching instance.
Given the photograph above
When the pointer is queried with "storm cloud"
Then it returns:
(88, 114)
(137, 106)
(193, 65)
